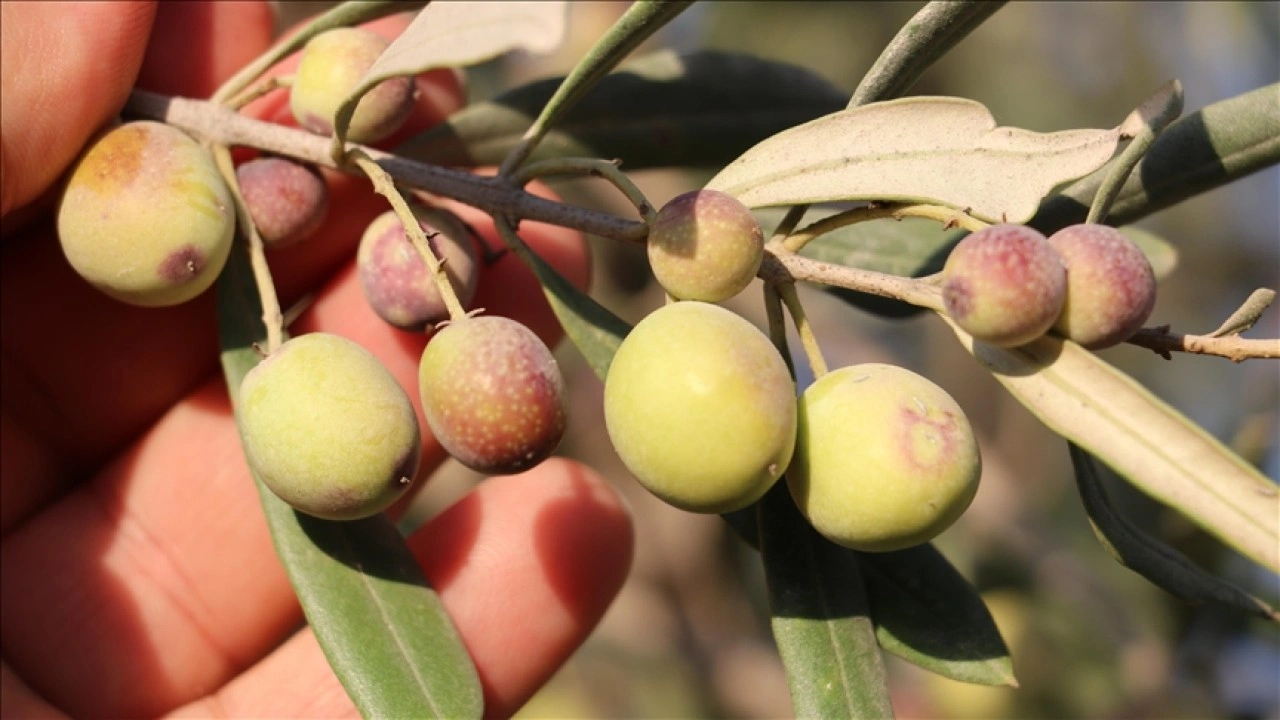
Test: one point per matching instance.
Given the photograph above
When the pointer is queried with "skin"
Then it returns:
(127, 594)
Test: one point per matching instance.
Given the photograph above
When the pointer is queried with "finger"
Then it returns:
(60, 87)
(194, 64)
(167, 553)
(529, 561)
(18, 701)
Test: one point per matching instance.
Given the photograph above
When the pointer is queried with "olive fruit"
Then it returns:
(1004, 285)
(885, 459)
(288, 201)
(1111, 288)
(701, 407)
(145, 216)
(328, 429)
(705, 245)
(492, 394)
(332, 63)
(396, 281)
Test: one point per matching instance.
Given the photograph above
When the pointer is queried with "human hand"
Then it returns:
(137, 576)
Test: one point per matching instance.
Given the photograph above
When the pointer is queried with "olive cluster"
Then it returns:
(1007, 285)
(702, 409)
(147, 218)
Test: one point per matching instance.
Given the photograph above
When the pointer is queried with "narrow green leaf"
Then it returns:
(592, 328)
(1147, 556)
(382, 628)
(927, 613)
(1082, 398)
(1213, 146)
(641, 20)
(927, 36)
(1144, 124)
(659, 110)
(821, 620)
(910, 247)
(921, 150)
(456, 34)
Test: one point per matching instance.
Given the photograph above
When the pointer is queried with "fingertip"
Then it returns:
(65, 69)
(180, 61)
(529, 561)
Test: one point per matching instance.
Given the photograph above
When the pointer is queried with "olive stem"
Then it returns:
(263, 88)
(1233, 347)
(607, 169)
(777, 325)
(788, 224)
(272, 318)
(781, 267)
(812, 351)
(950, 217)
(385, 186)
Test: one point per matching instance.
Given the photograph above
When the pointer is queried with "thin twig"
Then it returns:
(812, 351)
(607, 169)
(220, 125)
(386, 187)
(272, 318)
(264, 87)
(783, 267)
(1233, 347)
(949, 217)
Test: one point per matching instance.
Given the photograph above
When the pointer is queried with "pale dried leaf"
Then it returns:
(455, 34)
(923, 149)
(1152, 445)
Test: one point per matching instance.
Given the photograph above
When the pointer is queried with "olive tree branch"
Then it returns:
(497, 196)
(1233, 347)
(781, 267)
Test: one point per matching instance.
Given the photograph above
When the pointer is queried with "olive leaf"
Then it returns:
(927, 613)
(820, 617)
(455, 34)
(641, 20)
(382, 628)
(939, 150)
(1211, 147)
(590, 326)
(659, 110)
(1079, 396)
(1150, 558)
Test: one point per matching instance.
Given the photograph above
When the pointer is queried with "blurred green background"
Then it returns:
(689, 637)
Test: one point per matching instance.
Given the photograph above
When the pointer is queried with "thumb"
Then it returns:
(65, 69)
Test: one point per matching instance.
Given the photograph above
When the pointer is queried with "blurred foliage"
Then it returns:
(689, 635)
